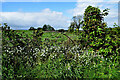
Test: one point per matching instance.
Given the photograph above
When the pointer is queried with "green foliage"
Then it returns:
(60, 62)
(61, 30)
(48, 28)
(37, 34)
(86, 65)
(46, 56)
(71, 28)
(18, 52)
(39, 28)
(96, 34)
(93, 24)
(32, 28)
(75, 24)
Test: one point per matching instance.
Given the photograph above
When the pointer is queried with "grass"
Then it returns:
(59, 69)
(69, 62)
(51, 35)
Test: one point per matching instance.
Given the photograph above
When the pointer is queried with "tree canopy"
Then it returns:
(76, 23)
(48, 28)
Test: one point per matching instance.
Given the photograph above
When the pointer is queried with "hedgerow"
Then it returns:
(19, 52)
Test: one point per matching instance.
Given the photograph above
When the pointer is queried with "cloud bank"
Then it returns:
(20, 20)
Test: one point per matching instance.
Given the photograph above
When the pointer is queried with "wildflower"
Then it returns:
(68, 66)
(118, 71)
(100, 61)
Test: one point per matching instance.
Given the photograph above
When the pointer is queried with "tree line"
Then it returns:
(45, 28)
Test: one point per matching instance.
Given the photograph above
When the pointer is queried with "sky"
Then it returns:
(23, 14)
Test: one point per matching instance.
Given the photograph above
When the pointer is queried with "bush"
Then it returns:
(32, 28)
(48, 28)
(19, 53)
(61, 30)
(96, 34)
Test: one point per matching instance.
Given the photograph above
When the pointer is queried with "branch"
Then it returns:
(69, 38)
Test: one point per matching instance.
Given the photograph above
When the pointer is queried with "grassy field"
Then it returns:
(51, 35)
(58, 58)
(54, 37)
(91, 53)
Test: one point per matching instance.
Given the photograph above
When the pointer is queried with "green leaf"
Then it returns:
(99, 29)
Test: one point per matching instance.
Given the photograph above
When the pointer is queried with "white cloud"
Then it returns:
(98, 0)
(80, 7)
(114, 0)
(60, 0)
(20, 20)
(90, 0)
(2, 0)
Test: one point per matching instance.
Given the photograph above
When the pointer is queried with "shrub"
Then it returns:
(96, 34)
(19, 53)
(32, 28)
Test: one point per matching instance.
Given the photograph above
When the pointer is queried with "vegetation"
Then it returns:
(61, 30)
(45, 28)
(48, 28)
(32, 28)
(75, 24)
(92, 53)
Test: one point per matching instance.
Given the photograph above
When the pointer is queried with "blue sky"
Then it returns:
(38, 6)
(22, 15)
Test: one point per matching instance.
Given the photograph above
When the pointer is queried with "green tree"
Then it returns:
(48, 28)
(32, 28)
(39, 28)
(93, 19)
(61, 30)
(97, 35)
(76, 23)
(94, 26)
(45, 27)
(72, 26)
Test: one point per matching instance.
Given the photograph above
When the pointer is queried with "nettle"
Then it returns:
(96, 33)
(19, 52)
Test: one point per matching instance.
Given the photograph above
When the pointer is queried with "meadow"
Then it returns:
(59, 58)
(37, 54)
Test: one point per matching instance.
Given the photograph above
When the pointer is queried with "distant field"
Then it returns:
(53, 37)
